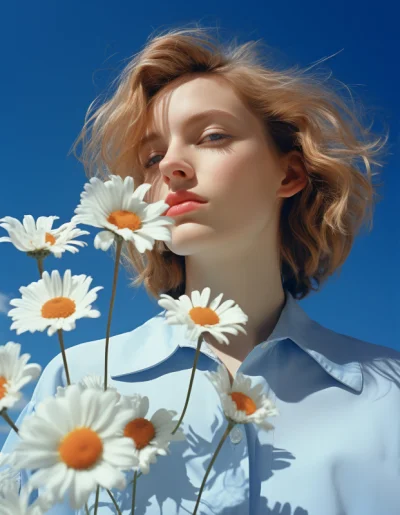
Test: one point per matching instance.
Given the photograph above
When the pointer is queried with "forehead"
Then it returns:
(191, 95)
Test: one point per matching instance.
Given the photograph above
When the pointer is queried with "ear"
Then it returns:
(295, 175)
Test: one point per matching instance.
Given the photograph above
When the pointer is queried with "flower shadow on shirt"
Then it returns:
(169, 490)
(173, 483)
(166, 481)
(270, 460)
(167, 486)
(278, 509)
(227, 482)
(278, 460)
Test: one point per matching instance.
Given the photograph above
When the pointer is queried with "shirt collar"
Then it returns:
(326, 347)
(157, 341)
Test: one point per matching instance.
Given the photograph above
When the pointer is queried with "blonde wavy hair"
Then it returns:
(318, 224)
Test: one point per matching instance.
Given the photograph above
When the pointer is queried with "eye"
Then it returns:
(149, 163)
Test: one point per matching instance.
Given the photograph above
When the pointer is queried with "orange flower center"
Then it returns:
(58, 307)
(125, 220)
(81, 448)
(244, 403)
(3, 387)
(141, 431)
(49, 238)
(204, 316)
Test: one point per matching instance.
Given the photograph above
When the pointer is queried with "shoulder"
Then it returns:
(379, 362)
(346, 346)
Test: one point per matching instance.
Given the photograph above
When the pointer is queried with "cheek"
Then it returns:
(247, 173)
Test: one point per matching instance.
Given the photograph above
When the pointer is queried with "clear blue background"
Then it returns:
(58, 56)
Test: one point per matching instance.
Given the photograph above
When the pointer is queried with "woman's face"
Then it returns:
(223, 157)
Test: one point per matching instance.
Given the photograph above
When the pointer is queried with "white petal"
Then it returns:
(104, 240)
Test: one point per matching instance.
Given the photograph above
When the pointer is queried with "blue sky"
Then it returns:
(58, 56)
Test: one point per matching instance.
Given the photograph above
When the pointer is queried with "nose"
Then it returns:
(175, 170)
(176, 178)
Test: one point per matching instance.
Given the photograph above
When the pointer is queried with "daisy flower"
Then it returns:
(242, 403)
(195, 313)
(150, 437)
(39, 237)
(89, 381)
(54, 303)
(14, 374)
(75, 443)
(115, 206)
(13, 502)
(6, 477)
(7, 474)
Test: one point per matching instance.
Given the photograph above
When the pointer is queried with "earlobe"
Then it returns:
(290, 187)
(296, 176)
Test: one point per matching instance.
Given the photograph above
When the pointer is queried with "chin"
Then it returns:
(190, 238)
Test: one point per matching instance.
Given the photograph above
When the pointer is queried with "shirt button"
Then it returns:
(236, 435)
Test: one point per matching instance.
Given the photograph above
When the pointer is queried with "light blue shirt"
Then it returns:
(335, 449)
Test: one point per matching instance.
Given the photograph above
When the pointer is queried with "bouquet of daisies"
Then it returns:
(88, 436)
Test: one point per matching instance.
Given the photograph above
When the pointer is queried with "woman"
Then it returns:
(272, 156)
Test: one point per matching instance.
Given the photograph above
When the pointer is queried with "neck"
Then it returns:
(253, 281)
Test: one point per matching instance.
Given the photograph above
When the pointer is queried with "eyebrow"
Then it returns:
(194, 118)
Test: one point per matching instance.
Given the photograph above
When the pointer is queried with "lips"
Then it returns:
(184, 207)
(183, 196)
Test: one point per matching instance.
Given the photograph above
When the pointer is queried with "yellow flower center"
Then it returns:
(125, 220)
(81, 448)
(58, 307)
(244, 403)
(204, 316)
(141, 431)
(49, 238)
(3, 387)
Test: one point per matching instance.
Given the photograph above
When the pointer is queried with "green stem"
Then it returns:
(61, 339)
(196, 357)
(137, 477)
(96, 504)
(4, 414)
(224, 436)
(87, 509)
(110, 311)
(134, 493)
(114, 501)
(40, 266)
